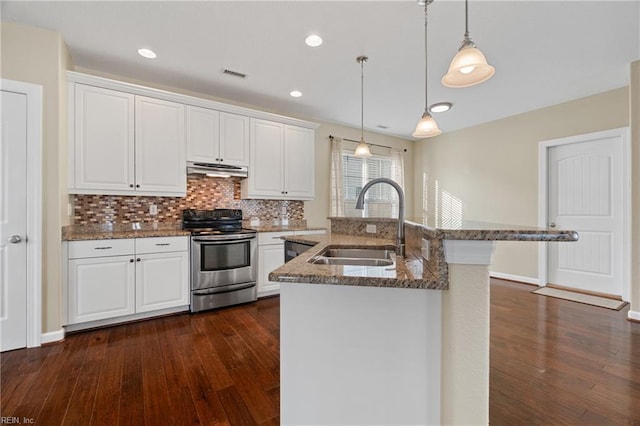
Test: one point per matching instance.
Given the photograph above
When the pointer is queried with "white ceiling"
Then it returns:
(544, 52)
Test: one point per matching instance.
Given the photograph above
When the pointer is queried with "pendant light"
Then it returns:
(469, 66)
(362, 150)
(427, 126)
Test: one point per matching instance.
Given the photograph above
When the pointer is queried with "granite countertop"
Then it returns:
(487, 231)
(161, 229)
(406, 272)
(122, 230)
(277, 226)
(413, 271)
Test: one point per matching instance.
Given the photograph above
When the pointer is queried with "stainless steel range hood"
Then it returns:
(216, 170)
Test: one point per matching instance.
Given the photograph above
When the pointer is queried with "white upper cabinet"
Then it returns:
(104, 139)
(125, 144)
(160, 147)
(282, 162)
(266, 174)
(234, 139)
(299, 162)
(202, 135)
(126, 139)
(217, 137)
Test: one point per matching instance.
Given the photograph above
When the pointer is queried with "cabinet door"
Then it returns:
(162, 281)
(299, 163)
(266, 160)
(269, 258)
(160, 147)
(202, 135)
(104, 139)
(101, 287)
(234, 139)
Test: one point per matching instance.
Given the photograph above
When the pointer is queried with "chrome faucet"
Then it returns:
(400, 232)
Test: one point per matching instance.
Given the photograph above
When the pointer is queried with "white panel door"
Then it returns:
(13, 223)
(104, 139)
(299, 162)
(202, 135)
(234, 139)
(160, 147)
(266, 166)
(162, 281)
(101, 287)
(585, 194)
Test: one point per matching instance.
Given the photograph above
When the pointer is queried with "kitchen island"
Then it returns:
(400, 344)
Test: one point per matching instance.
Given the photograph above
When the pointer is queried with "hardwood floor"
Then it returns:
(560, 362)
(552, 362)
(217, 367)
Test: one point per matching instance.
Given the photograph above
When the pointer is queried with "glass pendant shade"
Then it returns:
(362, 150)
(427, 127)
(467, 68)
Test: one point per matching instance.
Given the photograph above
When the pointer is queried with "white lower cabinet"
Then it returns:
(102, 287)
(162, 281)
(115, 278)
(271, 257)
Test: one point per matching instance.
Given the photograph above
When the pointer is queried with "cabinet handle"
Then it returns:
(221, 160)
(138, 260)
(163, 244)
(103, 248)
(137, 186)
(130, 185)
(131, 260)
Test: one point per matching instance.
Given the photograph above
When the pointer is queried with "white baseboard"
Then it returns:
(519, 278)
(633, 315)
(52, 336)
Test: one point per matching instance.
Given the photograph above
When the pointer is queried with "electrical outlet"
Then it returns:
(69, 209)
(284, 211)
(153, 209)
(371, 229)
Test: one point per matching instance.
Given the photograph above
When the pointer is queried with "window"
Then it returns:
(380, 200)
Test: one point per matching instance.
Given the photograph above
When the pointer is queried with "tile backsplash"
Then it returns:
(202, 193)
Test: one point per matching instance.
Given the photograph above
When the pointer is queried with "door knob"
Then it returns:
(14, 239)
(552, 225)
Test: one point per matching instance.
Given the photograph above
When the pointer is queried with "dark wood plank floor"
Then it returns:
(552, 362)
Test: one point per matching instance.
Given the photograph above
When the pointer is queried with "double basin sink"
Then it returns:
(332, 255)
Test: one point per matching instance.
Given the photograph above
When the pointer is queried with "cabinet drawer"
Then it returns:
(265, 238)
(161, 244)
(100, 248)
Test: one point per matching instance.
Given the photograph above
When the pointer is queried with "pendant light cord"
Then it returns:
(362, 98)
(466, 19)
(362, 60)
(426, 67)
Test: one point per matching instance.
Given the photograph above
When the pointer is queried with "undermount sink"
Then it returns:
(353, 256)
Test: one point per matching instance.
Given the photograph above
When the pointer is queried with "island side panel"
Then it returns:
(465, 345)
(359, 355)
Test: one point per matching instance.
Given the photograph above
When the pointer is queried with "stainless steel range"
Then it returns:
(223, 258)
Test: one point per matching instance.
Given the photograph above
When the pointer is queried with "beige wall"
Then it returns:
(40, 57)
(492, 169)
(634, 102)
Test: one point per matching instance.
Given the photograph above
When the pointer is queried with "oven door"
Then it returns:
(218, 262)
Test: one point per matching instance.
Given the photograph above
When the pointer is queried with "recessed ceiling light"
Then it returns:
(147, 53)
(295, 93)
(440, 107)
(313, 40)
